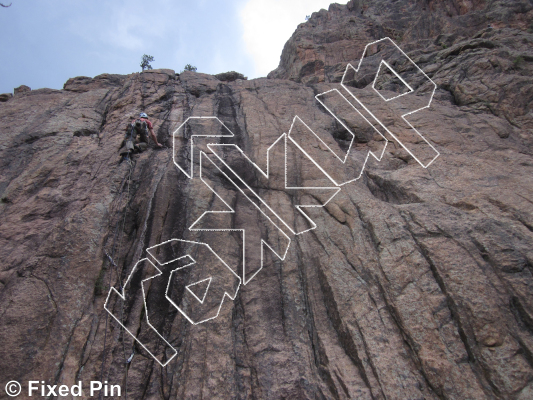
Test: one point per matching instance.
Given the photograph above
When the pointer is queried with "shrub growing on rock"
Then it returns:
(145, 62)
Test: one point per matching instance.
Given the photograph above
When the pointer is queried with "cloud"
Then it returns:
(121, 26)
(128, 31)
(267, 25)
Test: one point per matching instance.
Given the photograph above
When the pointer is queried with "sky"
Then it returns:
(46, 42)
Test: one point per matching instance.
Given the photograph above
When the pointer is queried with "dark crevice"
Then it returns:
(344, 337)
(409, 343)
(319, 356)
(521, 315)
(387, 191)
(485, 381)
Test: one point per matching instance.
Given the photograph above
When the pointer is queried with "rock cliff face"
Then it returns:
(415, 284)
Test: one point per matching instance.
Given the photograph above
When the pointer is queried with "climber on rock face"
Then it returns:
(144, 118)
(136, 140)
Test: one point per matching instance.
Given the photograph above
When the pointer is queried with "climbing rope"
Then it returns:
(117, 241)
(125, 182)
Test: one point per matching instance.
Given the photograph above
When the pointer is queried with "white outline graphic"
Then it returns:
(190, 176)
(123, 297)
(217, 161)
(411, 90)
(231, 210)
(266, 174)
(370, 152)
(187, 265)
(378, 158)
(404, 115)
(188, 287)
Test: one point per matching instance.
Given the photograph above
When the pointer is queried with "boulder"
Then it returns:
(5, 97)
(22, 89)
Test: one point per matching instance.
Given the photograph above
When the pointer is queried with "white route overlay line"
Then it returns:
(378, 158)
(231, 210)
(336, 187)
(188, 287)
(184, 266)
(190, 176)
(408, 86)
(370, 152)
(266, 174)
(411, 90)
(123, 297)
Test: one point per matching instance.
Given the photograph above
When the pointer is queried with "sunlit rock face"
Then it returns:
(415, 283)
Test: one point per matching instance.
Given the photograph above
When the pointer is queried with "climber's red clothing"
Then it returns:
(144, 135)
(148, 123)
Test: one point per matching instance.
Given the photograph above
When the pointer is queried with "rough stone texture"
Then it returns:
(22, 89)
(416, 284)
(5, 97)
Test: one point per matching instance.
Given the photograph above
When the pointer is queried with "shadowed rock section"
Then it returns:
(416, 284)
